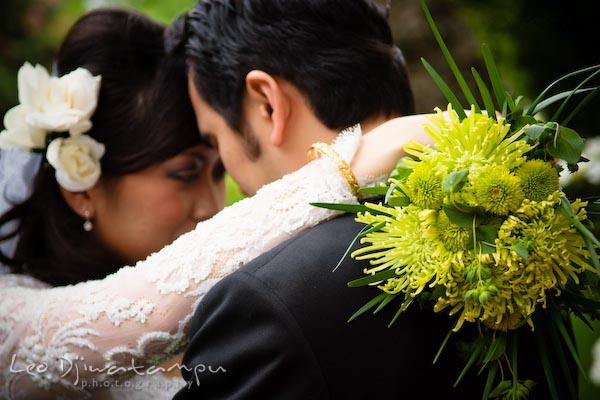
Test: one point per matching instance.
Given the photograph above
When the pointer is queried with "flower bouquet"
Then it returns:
(477, 226)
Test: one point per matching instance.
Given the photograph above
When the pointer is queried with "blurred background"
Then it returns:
(533, 41)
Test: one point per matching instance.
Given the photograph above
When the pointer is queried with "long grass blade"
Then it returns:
(558, 97)
(485, 94)
(385, 302)
(449, 59)
(559, 323)
(562, 359)
(445, 90)
(581, 104)
(544, 92)
(493, 74)
(490, 381)
(541, 345)
(566, 101)
(443, 345)
(372, 303)
(380, 276)
(514, 362)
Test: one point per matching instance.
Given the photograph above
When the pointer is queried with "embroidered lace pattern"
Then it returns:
(55, 342)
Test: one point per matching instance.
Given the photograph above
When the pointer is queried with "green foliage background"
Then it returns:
(533, 42)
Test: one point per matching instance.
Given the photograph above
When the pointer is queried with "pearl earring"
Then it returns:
(87, 225)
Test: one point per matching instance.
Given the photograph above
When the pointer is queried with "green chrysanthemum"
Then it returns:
(503, 288)
(451, 236)
(497, 190)
(477, 140)
(538, 179)
(404, 244)
(424, 187)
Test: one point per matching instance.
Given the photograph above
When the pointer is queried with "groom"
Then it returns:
(267, 79)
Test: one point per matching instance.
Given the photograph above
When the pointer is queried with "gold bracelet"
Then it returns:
(334, 156)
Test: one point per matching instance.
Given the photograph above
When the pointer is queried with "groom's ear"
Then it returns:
(268, 98)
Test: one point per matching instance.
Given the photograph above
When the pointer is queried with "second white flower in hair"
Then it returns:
(76, 161)
(58, 104)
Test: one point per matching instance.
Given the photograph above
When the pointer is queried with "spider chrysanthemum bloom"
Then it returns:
(497, 190)
(477, 140)
(556, 252)
(539, 179)
(424, 187)
(403, 244)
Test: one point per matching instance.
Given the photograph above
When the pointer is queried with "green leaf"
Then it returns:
(496, 350)
(402, 170)
(458, 217)
(398, 201)
(449, 59)
(567, 145)
(455, 181)
(367, 280)
(378, 190)
(446, 91)
(488, 231)
(485, 95)
(493, 74)
(535, 131)
(372, 303)
(521, 249)
(502, 389)
(521, 122)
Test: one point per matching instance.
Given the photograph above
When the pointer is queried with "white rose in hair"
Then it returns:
(76, 160)
(18, 134)
(63, 104)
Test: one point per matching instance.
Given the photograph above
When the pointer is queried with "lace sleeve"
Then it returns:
(66, 340)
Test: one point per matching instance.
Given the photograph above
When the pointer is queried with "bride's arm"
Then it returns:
(76, 337)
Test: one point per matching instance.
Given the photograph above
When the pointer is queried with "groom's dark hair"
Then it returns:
(340, 54)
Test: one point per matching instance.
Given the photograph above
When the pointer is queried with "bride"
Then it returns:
(121, 173)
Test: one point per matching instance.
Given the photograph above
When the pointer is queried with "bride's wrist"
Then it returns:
(322, 149)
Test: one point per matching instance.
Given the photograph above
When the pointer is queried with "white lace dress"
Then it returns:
(60, 342)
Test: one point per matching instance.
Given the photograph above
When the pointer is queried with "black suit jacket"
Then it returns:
(277, 329)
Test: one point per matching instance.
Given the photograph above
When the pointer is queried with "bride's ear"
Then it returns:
(270, 101)
(80, 202)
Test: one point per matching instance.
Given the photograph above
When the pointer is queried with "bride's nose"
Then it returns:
(209, 200)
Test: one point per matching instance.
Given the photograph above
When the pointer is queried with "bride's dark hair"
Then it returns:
(143, 117)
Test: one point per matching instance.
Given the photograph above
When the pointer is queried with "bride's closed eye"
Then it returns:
(186, 170)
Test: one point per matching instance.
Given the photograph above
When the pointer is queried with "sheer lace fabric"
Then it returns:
(61, 341)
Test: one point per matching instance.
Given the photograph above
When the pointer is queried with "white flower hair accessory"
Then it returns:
(53, 115)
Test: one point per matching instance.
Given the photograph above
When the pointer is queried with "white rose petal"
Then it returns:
(76, 161)
(83, 88)
(18, 134)
(33, 85)
(58, 104)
